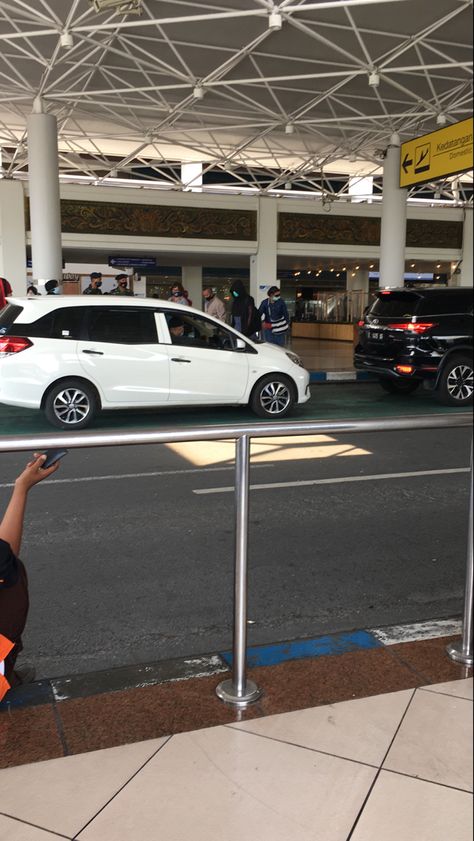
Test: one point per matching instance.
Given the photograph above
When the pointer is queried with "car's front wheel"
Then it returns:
(455, 387)
(273, 397)
(71, 404)
(399, 386)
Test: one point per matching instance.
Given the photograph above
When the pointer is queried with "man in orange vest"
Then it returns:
(14, 601)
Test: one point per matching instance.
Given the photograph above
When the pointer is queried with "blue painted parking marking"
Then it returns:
(271, 655)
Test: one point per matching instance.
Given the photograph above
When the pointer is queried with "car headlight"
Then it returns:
(294, 358)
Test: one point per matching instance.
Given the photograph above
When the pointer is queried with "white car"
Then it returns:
(73, 356)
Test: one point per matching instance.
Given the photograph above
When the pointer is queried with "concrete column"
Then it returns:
(394, 220)
(358, 283)
(263, 264)
(45, 206)
(191, 279)
(13, 235)
(467, 246)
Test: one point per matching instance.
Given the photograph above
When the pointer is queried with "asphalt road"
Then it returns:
(137, 567)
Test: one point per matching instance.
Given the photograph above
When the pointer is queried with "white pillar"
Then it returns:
(263, 264)
(394, 220)
(191, 278)
(467, 246)
(13, 235)
(45, 206)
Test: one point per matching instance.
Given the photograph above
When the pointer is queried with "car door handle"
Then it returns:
(93, 352)
(179, 359)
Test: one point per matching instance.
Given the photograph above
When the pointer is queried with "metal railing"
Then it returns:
(239, 690)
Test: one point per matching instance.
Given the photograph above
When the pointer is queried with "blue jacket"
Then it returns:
(275, 311)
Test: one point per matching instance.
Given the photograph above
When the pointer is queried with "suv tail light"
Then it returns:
(418, 327)
(13, 344)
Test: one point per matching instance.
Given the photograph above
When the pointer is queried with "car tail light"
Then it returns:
(418, 327)
(361, 323)
(404, 369)
(13, 344)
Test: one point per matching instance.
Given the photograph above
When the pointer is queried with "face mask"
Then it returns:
(56, 291)
(235, 294)
(176, 294)
(276, 297)
(99, 284)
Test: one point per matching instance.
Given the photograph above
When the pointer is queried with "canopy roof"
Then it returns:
(220, 83)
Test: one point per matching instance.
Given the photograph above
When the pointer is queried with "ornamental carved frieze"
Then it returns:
(427, 233)
(325, 229)
(88, 217)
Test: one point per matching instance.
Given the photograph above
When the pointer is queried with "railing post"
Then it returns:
(240, 691)
(462, 652)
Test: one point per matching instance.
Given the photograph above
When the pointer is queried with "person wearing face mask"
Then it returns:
(178, 295)
(52, 287)
(94, 285)
(245, 317)
(122, 286)
(276, 319)
(212, 304)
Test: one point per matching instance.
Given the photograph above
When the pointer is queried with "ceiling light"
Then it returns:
(374, 79)
(289, 128)
(123, 7)
(441, 119)
(66, 40)
(357, 268)
(275, 20)
(371, 266)
(438, 266)
(413, 265)
(199, 92)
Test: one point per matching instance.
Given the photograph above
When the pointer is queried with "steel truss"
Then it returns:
(292, 96)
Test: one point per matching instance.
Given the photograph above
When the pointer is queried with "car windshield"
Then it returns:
(395, 305)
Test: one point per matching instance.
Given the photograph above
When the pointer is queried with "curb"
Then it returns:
(341, 377)
(72, 687)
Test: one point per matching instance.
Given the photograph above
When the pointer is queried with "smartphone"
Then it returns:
(52, 456)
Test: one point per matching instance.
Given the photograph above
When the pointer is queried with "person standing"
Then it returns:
(212, 304)
(52, 287)
(94, 285)
(14, 602)
(245, 316)
(122, 286)
(276, 319)
(178, 295)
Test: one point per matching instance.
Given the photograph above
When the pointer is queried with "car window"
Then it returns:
(8, 315)
(62, 323)
(120, 325)
(395, 305)
(446, 303)
(196, 331)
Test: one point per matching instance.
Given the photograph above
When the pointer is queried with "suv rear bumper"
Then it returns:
(387, 368)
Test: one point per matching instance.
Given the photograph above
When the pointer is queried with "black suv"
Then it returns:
(410, 336)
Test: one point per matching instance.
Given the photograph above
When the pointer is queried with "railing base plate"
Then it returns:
(226, 692)
(457, 654)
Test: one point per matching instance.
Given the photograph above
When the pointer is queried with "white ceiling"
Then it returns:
(124, 92)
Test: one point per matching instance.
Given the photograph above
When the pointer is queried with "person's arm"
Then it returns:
(11, 527)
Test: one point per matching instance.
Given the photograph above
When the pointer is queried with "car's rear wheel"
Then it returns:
(273, 397)
(455, 387)
(71, 404)
(399, 386)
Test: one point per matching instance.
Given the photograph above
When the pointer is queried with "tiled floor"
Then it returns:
(368, 745)
(391, 767)
(324, 355)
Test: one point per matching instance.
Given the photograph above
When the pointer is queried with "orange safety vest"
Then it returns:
(5, 647)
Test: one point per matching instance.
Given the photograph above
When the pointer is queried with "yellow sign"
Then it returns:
(437, 155)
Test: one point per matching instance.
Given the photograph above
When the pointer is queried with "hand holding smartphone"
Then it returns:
(52, 456)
